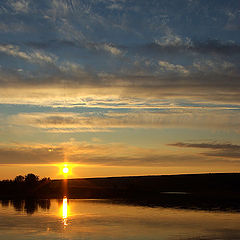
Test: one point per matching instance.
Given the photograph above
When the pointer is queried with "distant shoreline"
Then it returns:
(149, 175)
(201, 191)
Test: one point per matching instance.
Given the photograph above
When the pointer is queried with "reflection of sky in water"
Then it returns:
(90, 219)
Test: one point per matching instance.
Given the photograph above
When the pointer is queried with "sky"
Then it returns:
(119, 87)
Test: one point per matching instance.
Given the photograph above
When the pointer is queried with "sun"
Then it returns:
(65, 170)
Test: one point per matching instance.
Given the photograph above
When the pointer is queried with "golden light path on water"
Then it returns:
(65, 211)
(66, 170)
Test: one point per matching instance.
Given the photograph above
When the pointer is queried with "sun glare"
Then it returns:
(65, 170)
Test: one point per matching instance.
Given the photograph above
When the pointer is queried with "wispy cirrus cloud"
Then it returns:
(106, 121)
(172, 40)
(113, 50)
(33, 56)
(166, 66)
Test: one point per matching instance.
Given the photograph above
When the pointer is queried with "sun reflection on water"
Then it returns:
(65, 211)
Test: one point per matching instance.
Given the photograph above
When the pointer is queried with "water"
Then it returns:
(100, 219)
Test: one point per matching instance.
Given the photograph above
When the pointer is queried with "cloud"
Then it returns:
(113, 50)
(115, 6)
(79, 43)
(60, 7)
(68, 82)
(172, 46)
(226, 150)
(107, 121)
(29, 154)
(112, 154)
(214, 66)
(177, 45)
(14, 51)
(86, 67)
(207, 79)
(70, 67)
(226, 146)
(60, 92)
(166, 66)
(172, 40)
(33, 56)
(65, 95)
(20, 6)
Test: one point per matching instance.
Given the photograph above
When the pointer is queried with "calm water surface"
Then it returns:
(99, 219)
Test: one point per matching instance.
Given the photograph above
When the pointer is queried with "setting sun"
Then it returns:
(65, 170)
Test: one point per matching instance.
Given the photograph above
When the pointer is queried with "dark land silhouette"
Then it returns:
(220, 191)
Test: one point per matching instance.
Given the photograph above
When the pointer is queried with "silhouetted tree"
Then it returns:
(7, 181)
(46, 180)
(19, 179)
(31, 178)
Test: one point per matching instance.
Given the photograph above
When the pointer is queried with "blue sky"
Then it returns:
(121, 84)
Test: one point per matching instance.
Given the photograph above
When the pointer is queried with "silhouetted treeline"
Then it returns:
(30, 178)
(24, 186)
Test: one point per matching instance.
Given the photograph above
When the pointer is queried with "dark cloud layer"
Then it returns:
(226, 150)
(29, 155)
(226, 146)
(208, 47)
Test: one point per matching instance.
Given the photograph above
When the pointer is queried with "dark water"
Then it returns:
(100, 219)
